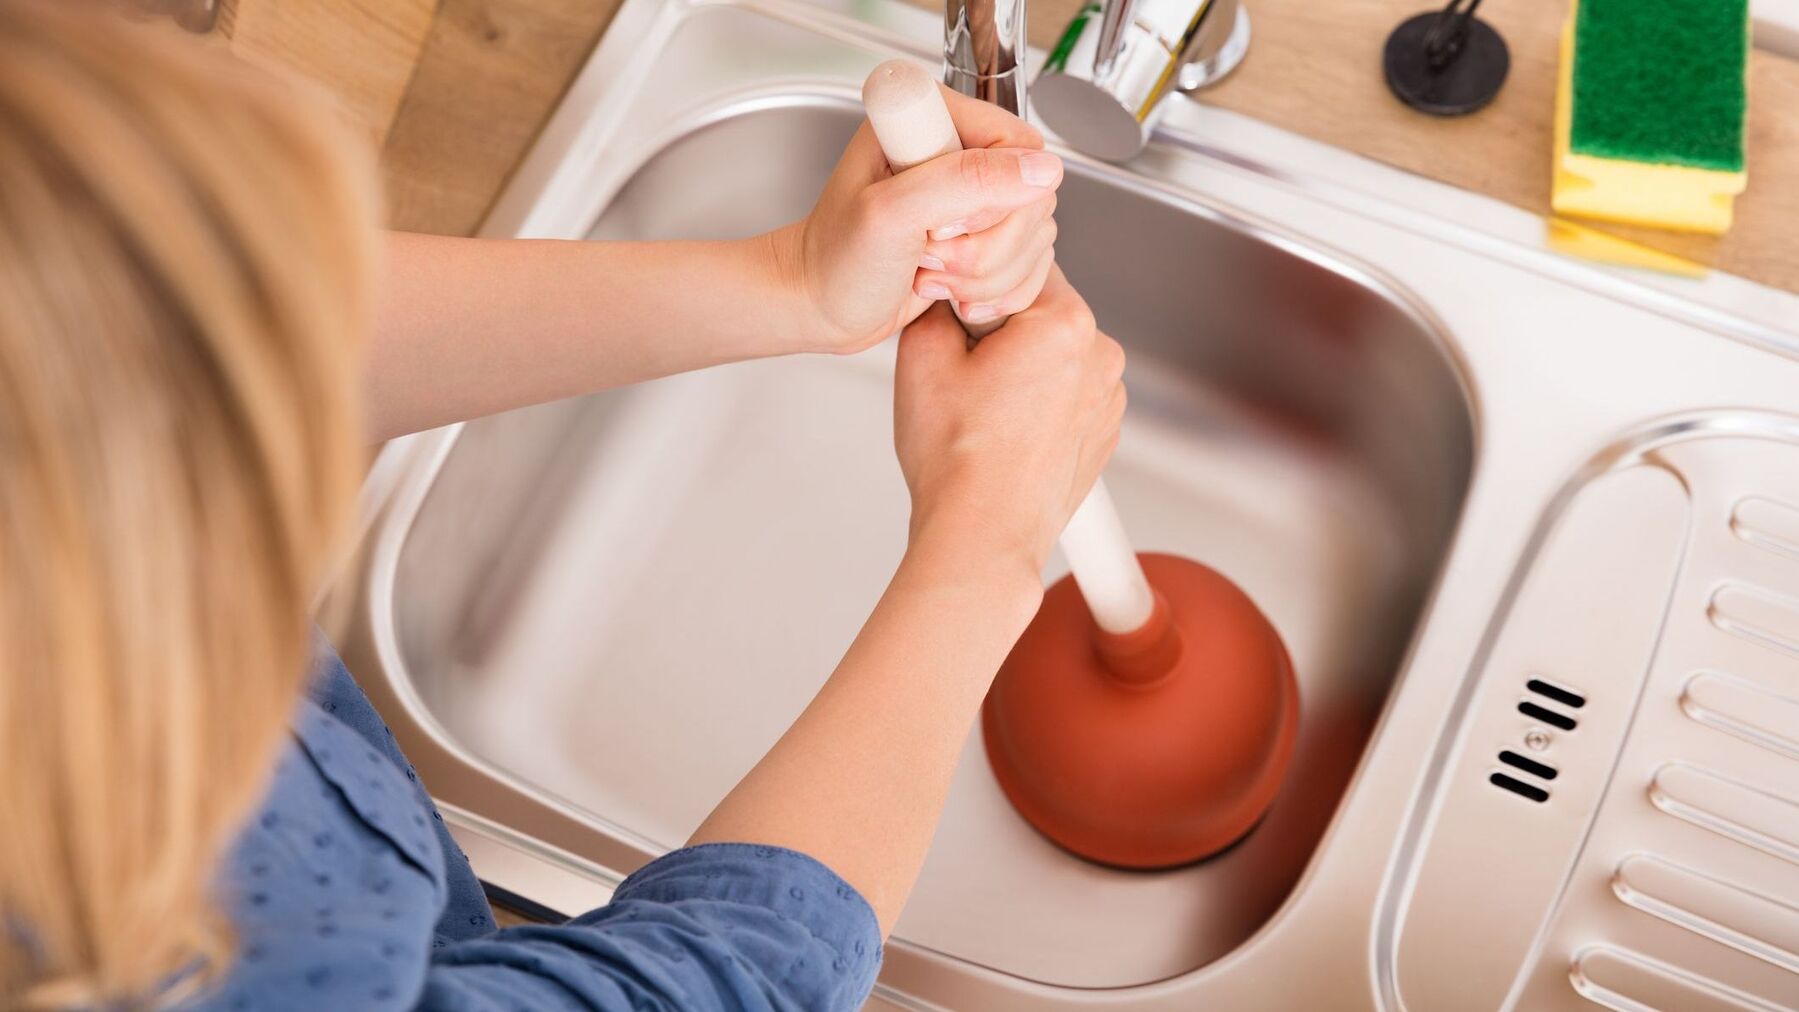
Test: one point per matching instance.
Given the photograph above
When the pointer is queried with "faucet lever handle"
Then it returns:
(1114, 18)
(1100, 91)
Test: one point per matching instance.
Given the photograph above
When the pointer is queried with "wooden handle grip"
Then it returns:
(908, 114)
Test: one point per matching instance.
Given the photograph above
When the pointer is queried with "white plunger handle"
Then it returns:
(913, 124)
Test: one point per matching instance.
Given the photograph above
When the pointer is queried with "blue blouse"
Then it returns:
(347, 892)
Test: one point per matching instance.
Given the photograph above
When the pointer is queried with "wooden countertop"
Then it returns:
(1314, 68)
(455, 90)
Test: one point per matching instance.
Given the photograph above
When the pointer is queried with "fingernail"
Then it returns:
(930, 263)
(949, 231)
(1039, 168)
(980, 313)
(932, 290)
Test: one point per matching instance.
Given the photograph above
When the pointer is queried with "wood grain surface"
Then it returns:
(1314, 67)
(365, 50)
(454, 91)
(485, 75)
(491, 73)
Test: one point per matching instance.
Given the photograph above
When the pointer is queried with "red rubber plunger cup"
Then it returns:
(1150, 749)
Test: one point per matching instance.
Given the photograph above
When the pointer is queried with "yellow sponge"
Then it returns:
(1577, 240)
(1651, 188)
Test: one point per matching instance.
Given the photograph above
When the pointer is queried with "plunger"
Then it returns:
(1147, 715)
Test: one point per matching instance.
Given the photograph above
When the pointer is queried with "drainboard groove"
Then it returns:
(1742, 813)
(1758, 615)
(1767, 524)
(1747, 710)
(1766, 927)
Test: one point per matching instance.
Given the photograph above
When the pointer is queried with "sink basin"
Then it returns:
(586, 620)
(624, 600)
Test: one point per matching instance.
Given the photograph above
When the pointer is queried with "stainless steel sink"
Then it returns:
(586, 620)
(626, 599)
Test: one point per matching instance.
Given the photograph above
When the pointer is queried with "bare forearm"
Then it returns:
(860, 779)
(468, 327)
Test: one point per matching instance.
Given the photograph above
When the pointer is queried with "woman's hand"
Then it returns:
(468, 327)
(975, 226)
(999, 444)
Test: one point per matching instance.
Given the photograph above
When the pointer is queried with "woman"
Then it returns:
(192, 356)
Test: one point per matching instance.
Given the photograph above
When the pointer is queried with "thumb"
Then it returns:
(957, 187)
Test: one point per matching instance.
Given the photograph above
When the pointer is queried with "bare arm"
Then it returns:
(468, 327)
(998, 446)
(860, 779)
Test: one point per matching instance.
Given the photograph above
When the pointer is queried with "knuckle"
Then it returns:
(1113, 355)
(1070, 334)
(1024, 296)
(986, 219)
(1080, 319)
(980, 168)
(994, 293)
(953, 253)
(977, 258)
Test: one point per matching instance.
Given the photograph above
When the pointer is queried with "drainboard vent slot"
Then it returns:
(1528, 765)
(1566, 697)
(1519, 787)
(1554, 718)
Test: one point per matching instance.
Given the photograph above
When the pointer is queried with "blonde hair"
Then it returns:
(184, 248)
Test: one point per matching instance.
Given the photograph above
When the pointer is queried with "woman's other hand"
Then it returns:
(1000, 443)
(976, 226)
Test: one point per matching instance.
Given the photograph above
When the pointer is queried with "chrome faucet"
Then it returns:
(983, 51)
(1102, 86)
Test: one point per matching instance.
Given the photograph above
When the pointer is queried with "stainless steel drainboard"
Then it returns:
(1621, 822)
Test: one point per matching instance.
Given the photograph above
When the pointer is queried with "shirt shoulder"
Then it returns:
(333, 885)
(713, 928)
(351, 720)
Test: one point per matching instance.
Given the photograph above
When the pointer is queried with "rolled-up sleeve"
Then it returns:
(718, 926)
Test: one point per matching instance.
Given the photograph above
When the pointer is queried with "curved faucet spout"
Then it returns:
(983, 51)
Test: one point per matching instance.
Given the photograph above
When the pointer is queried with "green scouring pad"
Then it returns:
(1650, 111)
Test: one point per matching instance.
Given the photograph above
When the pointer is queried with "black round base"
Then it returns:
(1462, 85)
